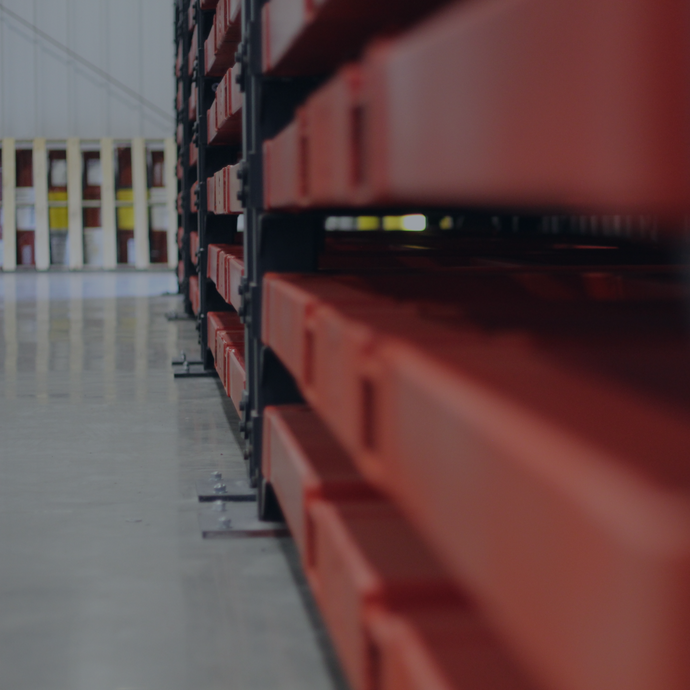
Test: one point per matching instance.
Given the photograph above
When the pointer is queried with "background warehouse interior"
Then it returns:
(351, 338)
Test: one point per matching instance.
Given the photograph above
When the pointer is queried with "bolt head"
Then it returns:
(219, 506)
(225, 522)
(216, 474)
(220, 489)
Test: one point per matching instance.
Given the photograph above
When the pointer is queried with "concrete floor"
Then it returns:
(105, 581)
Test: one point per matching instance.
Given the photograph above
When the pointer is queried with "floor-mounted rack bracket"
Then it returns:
(215, 488)
(225, 519)
(191, 368)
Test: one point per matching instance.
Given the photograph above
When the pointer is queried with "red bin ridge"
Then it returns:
(365, 557)
(304, 463)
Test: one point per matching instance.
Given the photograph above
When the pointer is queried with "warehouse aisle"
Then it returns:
(105, 582)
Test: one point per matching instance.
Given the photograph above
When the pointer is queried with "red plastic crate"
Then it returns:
(212, 265)
(194, 294)
(304, 463)
(193, 197)
(221, 283)
(593, 118)
(440, 648)
(289, 302)
(194, 246)
(193, 155)
(194, 48)
(328, 161)
(216, 259)
(219, 192)
(235, 269)
(215, 252)
(210, 195)
(284, 185)
(224, 38)
(178, 62)
(228, 26)
(405, 138)
(237, 375)
(227, 187)
(226, 379)
(226, 342)
(193, 103)
(224, 116)
(282, 23)
(365, 557)
(219, 321)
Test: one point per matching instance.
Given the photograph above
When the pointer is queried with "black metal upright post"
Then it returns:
(211, 159)
(272, 242)
(184, 185)
(204, 23)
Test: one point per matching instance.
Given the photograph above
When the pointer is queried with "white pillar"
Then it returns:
(74, 201)
(108, 212)
(142, 247)
(171, 198)
(42, 232)
(9, 205)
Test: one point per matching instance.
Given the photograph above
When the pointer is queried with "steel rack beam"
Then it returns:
(210, 159)
(272, 242)
(185, 219)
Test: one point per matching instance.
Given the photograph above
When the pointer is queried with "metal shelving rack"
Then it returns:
(480, 282)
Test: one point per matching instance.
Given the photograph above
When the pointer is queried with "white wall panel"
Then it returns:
(51, 80)
(46, 93)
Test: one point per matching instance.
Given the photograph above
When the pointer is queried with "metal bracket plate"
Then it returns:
(215, 488)
(191, 368)
(195, 370)
(175, 316)
(232, 520)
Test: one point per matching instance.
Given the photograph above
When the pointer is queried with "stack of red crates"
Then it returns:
(464, 152)
(225, 115)
(223, 189)
(221, 44)
(487, 487)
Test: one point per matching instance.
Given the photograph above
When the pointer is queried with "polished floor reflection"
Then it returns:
(105, 582)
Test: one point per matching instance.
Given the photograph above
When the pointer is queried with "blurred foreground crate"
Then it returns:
(564, 514)
(301, 37)
(487, 105)
(395, 619)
